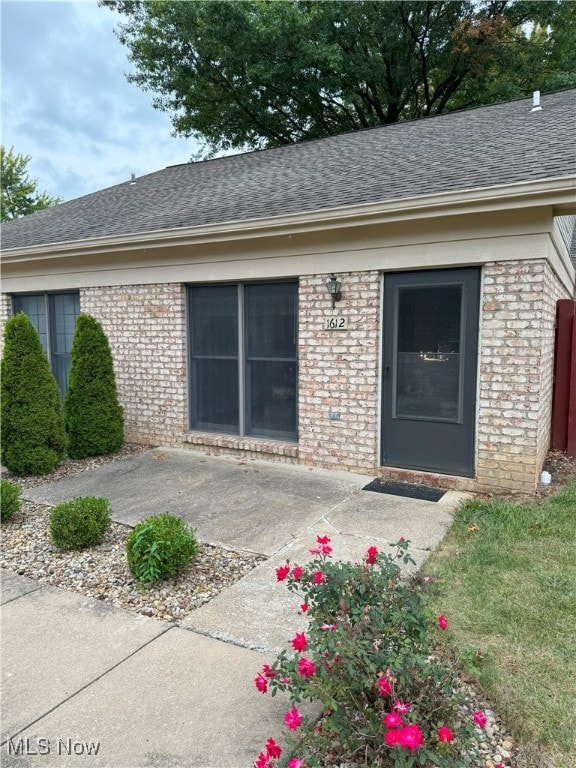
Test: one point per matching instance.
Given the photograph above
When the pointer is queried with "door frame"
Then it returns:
(471, 279)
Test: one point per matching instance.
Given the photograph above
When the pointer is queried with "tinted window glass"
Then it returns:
(243, 358)
(54, 317)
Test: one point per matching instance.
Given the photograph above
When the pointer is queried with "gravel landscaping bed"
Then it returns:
(102, 572)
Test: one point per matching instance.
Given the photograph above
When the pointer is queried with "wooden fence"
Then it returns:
(564, 402)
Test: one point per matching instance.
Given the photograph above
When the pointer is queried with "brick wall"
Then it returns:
(338, 373)
(146, 328)
(552, 293)
(516, 361)
(5, 313)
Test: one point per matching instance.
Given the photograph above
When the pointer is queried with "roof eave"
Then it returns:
(559, 193)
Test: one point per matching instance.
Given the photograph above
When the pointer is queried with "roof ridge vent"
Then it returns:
(536, 102)
(133, 179)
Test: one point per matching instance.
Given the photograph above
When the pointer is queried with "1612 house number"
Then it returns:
(335, 323)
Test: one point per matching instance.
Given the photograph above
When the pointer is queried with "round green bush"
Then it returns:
(159, 547)
(10, 500)
(79, 523)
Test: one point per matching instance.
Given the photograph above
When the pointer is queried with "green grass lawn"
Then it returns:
(507, 583)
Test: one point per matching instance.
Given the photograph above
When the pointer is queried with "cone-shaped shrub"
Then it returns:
(33, 434)
(93, 415)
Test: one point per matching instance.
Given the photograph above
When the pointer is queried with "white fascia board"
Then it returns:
(558, 193)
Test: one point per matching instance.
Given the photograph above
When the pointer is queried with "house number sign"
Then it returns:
(335, 323)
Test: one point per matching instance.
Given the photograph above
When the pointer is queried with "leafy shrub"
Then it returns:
(93, 416)
(33, 434)
(10, 500)
(79, 523)
(367, 660)
(159, 547)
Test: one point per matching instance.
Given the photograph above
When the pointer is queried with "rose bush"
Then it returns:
(367, 659)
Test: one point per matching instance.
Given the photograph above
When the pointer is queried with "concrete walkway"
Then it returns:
(77, 673)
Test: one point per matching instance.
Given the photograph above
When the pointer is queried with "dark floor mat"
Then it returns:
(405, 489)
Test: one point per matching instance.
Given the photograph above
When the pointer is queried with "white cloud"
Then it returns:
(66, 101)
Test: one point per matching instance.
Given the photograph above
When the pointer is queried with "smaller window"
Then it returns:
(54, 317)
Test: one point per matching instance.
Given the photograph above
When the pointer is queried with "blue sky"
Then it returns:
(66, 101)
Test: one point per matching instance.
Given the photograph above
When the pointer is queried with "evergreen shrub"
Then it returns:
(79, 523)
(9, 500)
(33, 433)
(93, 416)
(160, 547)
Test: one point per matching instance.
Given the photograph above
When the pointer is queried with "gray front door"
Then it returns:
(429, 374)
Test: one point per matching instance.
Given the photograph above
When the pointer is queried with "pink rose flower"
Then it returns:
(304, 607)
(400, 707)
(384, 686)
(321, 549)
(293, 718)
(391, 738)
(299, 641)
(295, 762)
(372, 555)
(262, 761)
(267, 671)
(480, 718)
(297, 573)
(282, 572)
(261, 683)
(306, 667)
(319, 577)
(410, 737)
(273, 749)
(322, 546)
(330, 627)
(442, 621)
(392, 720)
(445, 734)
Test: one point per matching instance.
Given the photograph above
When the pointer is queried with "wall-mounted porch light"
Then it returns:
(333, 285)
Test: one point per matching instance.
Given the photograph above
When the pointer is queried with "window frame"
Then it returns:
(50, 321)
(244, 430)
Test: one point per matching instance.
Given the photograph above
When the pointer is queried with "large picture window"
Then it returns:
(54, 317)
(243, 358)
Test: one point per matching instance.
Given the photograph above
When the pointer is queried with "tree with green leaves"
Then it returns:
(262, 73)
(93, 416)
(33, 434)
(19, 194)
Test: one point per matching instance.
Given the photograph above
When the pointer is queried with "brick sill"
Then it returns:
(245, 445)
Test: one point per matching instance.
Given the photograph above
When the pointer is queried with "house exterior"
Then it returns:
(447, 241)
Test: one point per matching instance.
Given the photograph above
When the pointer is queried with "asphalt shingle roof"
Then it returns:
(498, 144)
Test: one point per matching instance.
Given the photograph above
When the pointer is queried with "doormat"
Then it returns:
(408, 490)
